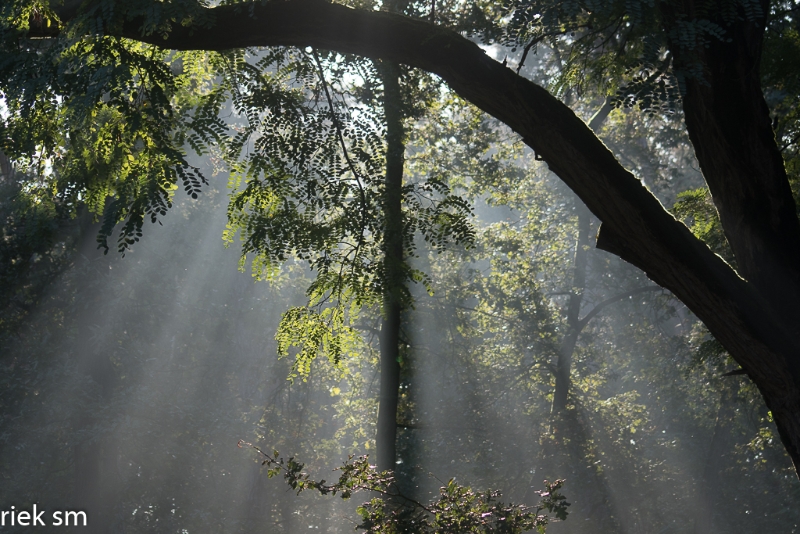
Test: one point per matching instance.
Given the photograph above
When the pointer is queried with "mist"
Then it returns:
(146, 389)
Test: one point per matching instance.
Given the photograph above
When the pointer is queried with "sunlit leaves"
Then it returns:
(457, 509)
(316, 332)
(104, 119)
(697, 210)
(108, 121)
(308, 173)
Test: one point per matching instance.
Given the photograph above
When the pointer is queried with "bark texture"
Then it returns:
(744, 314)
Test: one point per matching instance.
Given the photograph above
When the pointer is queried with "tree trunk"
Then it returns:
(386, 439)
(394, 272)
(574, 326)
(728, 122)
(6, 168)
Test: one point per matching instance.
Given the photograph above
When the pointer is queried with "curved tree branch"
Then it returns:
(611, 300)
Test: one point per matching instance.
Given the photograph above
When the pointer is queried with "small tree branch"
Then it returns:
(609, 301)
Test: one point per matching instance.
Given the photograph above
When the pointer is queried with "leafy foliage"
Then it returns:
(101, 116)
(621, 48)
(313, 187)
(108, 119)
(696, 208)
(458, 509)
(648, 386)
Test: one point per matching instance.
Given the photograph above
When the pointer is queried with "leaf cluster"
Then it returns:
(103, 118)
(107, 121)
(458, 509)
(623, 48)
(308, 162)
(697, 210)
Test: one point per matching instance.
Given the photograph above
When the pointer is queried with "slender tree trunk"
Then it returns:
(570, 424)
(6, 168)
(574, 324)
(564, 365)
(393, 268)
(386, 440)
